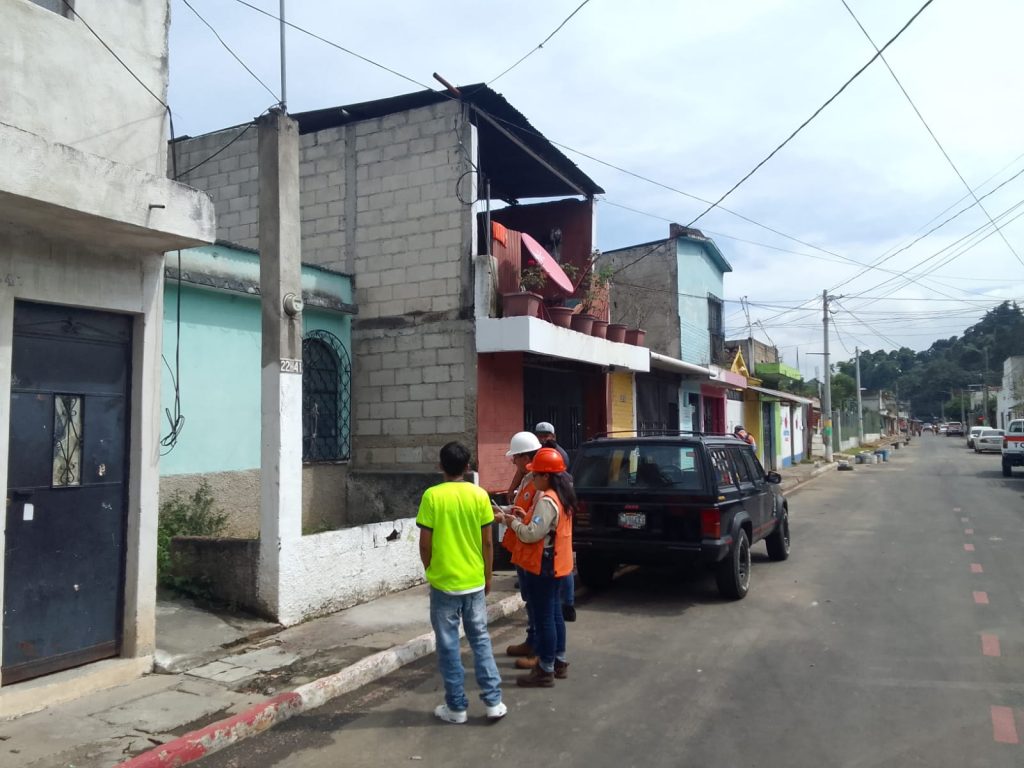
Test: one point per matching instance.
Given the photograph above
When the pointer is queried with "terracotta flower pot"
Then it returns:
(616, 332)
(636, 336)
(560, 316)
(599, 329)
(520, 304)
(582, 323)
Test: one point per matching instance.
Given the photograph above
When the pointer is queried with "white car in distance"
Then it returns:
(989, 440)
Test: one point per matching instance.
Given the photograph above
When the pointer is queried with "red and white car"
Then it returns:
(1013, 446)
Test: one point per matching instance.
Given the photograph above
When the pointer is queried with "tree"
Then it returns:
(844, 390)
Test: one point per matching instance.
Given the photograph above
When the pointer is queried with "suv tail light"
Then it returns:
(1006, 443)
(581, 515)
(711, 523)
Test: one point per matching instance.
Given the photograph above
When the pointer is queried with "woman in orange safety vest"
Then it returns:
(521, 449)
(544, 554)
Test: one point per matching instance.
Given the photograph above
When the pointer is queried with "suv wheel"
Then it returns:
(778, 540)
(733, 573)
(1007, 471)
(595, 573)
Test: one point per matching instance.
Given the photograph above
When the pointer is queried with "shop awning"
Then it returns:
(666, 363)
(782, 395)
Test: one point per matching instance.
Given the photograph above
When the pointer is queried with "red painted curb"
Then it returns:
(196, 744)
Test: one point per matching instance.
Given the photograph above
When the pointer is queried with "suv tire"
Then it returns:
(778, 540)
(733, 573)
(594, 572)
(1007, 470)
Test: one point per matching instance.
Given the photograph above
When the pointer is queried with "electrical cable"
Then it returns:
(541, 45)
(816, 112)
(930, 131)
(229, 50)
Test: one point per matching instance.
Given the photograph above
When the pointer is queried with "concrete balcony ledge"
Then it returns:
(68, 194)
(531, 334)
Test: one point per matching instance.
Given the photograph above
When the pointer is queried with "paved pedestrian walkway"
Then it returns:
(212, 667)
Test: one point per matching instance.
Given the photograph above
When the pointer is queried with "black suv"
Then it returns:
(676, 499)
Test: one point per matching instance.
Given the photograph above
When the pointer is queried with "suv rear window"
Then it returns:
(648, 465)
(1016, 427)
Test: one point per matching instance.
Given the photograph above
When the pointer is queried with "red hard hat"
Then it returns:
(547, 460)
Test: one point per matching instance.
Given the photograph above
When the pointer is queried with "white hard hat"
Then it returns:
(523, 442)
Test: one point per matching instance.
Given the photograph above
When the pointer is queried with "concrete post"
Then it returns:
(281, 403)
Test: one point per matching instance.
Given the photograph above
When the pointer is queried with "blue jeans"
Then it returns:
(569, 590)
(531, 621)
(544, 592)
(447, 613)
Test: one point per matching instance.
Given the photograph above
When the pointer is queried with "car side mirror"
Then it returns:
(773, 477)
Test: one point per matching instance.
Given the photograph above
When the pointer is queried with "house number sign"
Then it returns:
(291, 366)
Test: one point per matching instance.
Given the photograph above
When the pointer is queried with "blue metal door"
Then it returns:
(67, 475)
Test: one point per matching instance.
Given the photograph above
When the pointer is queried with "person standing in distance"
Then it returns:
(457, 551)
(745, 436)
(545, 432)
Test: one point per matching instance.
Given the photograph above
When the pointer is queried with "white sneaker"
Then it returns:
(497, 712)
(450, 716)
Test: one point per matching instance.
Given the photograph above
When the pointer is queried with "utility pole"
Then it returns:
(860, 403)
(963, 411)
(826, 400)
(284, 79)
(984, 380)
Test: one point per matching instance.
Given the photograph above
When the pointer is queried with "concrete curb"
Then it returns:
(814, 476)
(223, 733)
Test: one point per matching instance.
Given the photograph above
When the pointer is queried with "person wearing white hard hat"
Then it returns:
(521, 450)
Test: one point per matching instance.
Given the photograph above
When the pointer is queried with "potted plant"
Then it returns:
(560, 314)
(637, 334)
(527, 302)
(596, 283)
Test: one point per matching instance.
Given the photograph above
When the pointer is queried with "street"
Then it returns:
(892, 637)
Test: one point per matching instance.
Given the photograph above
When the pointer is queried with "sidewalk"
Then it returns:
(220, 666)
(329, 656)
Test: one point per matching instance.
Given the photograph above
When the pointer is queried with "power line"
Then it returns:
(229, 50)
(816, 112)
(931, 132)
(540, 45)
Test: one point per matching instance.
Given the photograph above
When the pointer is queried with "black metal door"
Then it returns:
(556, 397)
(67, 475)
(768, 430)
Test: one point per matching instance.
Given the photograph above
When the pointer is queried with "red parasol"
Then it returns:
(548, 264)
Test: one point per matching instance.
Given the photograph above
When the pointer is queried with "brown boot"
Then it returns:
(523, 649)
(537, 678)
(562, 670)
(527, 662)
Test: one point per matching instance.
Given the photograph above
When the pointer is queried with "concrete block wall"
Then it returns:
(639, 290)
(378, 200)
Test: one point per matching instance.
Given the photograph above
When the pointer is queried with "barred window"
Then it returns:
(326, 398)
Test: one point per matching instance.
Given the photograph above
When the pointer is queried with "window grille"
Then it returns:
(326, 398)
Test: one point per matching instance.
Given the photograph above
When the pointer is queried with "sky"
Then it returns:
(692, 95)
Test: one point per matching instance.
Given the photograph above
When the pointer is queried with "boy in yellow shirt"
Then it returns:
(457, 550)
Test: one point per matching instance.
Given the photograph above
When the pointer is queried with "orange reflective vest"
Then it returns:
(523, 500)
(529, 557)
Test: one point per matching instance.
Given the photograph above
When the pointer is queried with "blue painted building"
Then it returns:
(210, 388)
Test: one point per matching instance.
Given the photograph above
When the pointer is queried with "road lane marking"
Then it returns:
(1004, 729)
(981, 598)
(968, 547)
(965, 519)
(957, 509)
(990, 645)
(968, 531)
(976, 568)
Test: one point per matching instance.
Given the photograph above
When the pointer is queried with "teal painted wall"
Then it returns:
(220, 363)
(697, 275)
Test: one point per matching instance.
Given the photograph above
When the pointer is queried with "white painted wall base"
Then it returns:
(329, 571)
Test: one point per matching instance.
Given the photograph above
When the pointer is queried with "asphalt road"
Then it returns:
(883, 641)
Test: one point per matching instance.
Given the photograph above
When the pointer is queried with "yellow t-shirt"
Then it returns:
(456, 512)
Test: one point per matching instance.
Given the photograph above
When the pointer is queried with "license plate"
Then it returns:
(633, 520)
